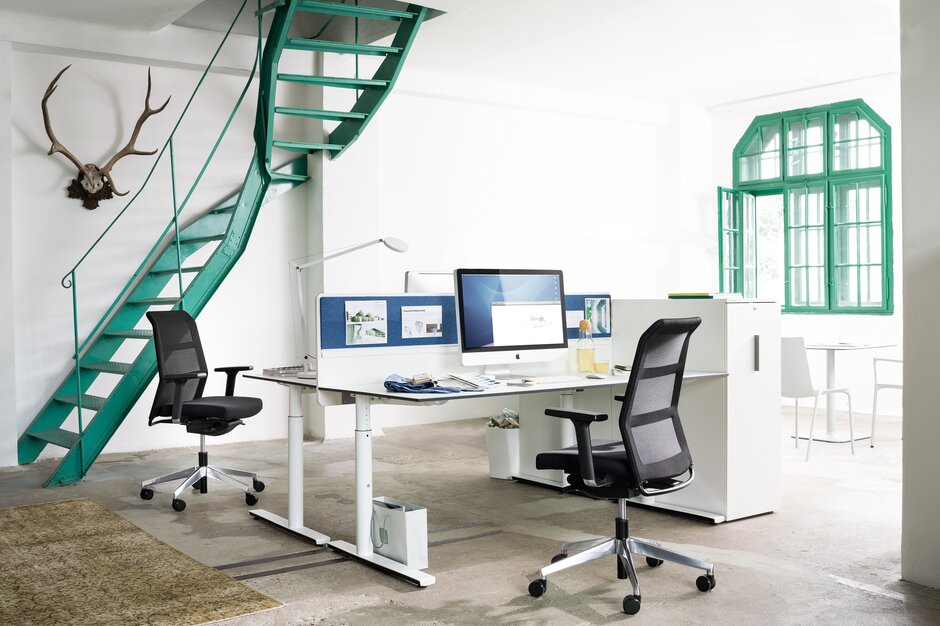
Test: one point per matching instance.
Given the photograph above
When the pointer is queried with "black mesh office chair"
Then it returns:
(179, 400)
(651, 459)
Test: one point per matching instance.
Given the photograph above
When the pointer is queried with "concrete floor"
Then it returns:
(830, 555)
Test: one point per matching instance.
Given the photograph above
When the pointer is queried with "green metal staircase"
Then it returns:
(190, 263)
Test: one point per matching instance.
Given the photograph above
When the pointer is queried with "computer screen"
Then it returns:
(510, 316)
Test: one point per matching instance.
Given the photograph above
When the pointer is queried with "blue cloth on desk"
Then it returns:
(407, 385)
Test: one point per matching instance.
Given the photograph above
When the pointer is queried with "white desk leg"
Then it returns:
(363, 476)
(295, 476)
(362, 551)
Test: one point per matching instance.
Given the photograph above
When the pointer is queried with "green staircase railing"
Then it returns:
(168, 277)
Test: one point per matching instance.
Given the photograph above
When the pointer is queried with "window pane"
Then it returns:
(815, 246)
(846, 245)
(797, 247)
(770, 165)
(747, 168)
(805, 147)
(797, 287)
(771, 137)
(847, 281)
(872, 293)
(817, 286)
(856, 143)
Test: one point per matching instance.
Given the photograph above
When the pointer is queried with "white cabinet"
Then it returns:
(732, 423)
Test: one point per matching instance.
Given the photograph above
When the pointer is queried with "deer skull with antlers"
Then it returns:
(95, 183)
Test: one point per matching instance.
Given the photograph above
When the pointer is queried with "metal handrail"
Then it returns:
(68, 280)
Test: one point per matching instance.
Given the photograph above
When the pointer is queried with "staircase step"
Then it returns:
(300, 178)
(168, 300)
(94, 403)
(300, 146)
(202, 238)
(56, 436)
(131, 333)
(172, 270)
(339, 47)
(321, 114)
(335, 81)
(109, 367)
(330, 8)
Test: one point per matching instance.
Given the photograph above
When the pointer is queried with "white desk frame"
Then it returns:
(294, 523)
(367, 394)
(832, 435)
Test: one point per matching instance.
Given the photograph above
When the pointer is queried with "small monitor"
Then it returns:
(429, 282)
(510, 316)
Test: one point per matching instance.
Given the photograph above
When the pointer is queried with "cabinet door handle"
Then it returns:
(756, 353)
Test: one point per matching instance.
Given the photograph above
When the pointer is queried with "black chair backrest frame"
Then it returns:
(649, 417)
(179, 351)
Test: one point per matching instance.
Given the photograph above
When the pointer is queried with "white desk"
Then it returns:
(294, 523)
(832, 435)
(364, 395)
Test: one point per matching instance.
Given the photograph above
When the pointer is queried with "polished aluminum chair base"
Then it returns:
(197, 477)
(624, 548)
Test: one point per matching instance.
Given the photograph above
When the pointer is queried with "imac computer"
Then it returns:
(510, 316)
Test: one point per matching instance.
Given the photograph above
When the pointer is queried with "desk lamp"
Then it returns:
(299, 265)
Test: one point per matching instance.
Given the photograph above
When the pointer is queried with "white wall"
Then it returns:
(920, 90)
(853, 369)
(618, 194)
(45, 233)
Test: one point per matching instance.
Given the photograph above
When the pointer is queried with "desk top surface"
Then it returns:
(845, 345)
(378, 390)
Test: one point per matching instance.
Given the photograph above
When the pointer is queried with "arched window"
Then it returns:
(808, 221)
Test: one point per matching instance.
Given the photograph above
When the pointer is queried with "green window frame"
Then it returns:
(833, 169)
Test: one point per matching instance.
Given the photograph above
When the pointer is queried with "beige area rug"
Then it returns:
(76, 562)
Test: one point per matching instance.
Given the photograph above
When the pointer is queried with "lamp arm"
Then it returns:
(325, 257)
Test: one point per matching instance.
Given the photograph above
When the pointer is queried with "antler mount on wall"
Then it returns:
(95, 183)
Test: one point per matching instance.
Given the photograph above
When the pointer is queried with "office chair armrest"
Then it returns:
(179, 382)
(582, 420)
(230, 373)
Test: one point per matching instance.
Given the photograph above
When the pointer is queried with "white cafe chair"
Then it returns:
(796, 382)
(879, 386)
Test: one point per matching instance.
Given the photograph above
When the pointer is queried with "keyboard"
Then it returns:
(550, 380)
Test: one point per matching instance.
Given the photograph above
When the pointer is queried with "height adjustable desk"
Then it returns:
(365, 395)
(735, 443)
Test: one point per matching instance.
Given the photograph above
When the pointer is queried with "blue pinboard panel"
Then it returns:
(381, 321)
(595, 307)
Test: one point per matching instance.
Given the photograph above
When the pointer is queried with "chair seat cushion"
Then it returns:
(224, 407)
(220, 407)
(610, 459)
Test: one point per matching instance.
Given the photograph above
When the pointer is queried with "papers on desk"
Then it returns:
(287, 370)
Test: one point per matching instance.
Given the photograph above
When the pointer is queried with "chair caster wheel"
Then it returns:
(538, 587)
(653, 562)
(251, 499)
(146, 493)
(257, 485)
(631, 605)
(178, 505)
(705, 583)
(559, 556)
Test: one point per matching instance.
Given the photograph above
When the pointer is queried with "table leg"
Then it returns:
(295, 477)
(362, 550)
(832, 435)
(830, 383)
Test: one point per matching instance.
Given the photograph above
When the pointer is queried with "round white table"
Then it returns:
(832, 435)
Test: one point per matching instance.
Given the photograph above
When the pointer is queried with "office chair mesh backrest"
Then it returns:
(179, 351)
(649, 418)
